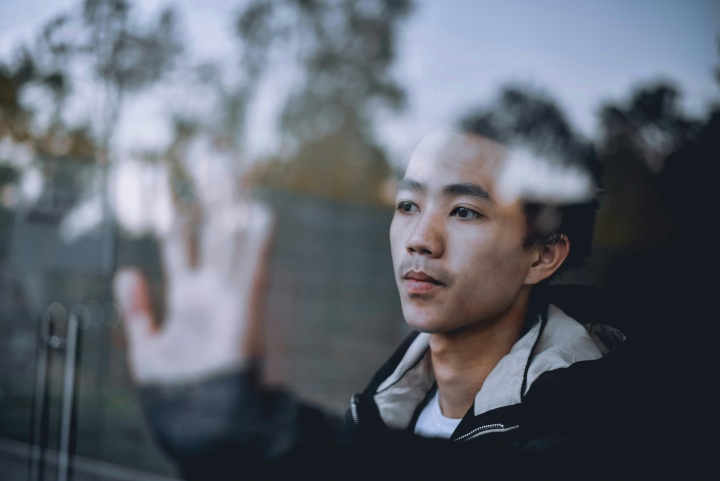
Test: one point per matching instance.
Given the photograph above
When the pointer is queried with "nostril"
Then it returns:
(421, 251)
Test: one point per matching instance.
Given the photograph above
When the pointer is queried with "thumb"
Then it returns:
(132, 294)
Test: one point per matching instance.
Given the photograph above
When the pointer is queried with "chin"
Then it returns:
(425, 324)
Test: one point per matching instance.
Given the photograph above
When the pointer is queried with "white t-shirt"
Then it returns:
(432, 423)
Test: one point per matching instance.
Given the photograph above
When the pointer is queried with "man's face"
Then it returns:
(457, 246)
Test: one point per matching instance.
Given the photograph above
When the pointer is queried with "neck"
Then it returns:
(462, 359)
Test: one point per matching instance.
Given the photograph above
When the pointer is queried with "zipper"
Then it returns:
(354, 410)
(487, 427)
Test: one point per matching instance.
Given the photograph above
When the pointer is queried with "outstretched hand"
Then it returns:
(214, 276)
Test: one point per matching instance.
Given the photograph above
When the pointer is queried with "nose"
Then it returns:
(426, 236)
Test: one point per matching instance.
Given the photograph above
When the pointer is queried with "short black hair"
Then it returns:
(527, 117)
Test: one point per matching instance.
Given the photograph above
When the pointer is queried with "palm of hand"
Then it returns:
(212, 307)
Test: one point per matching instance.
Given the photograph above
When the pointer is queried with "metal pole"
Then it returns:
(68, 398)
(39, 417)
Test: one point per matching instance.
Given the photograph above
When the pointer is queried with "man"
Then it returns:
(497, 379)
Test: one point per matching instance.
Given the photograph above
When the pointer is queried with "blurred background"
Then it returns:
(107, 105)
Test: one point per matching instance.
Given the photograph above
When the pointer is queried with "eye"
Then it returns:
(465, 213)
(406, 206)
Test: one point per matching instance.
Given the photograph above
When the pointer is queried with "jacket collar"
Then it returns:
(553, 341)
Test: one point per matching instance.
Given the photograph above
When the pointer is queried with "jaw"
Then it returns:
(443, 313)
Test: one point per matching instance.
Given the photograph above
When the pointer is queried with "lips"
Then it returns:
(421, 276)
(418, 282)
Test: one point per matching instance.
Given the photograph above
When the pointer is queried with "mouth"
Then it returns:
(418, 282)
(422, 277)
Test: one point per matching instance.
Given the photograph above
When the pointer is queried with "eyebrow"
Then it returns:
(466, 188)
(454, 190)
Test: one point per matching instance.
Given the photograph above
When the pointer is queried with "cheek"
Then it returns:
(487, 291)
(492, 263)
(396, 240)
(393, 232)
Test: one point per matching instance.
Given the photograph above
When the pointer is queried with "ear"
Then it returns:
(548, 259)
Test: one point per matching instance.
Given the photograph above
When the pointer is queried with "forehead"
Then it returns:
(446, 156)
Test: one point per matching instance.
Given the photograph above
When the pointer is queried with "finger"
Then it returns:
(179, 246)
(132, 294)
(250, 243)
(222, 233)
(261, 232)
(225, 210)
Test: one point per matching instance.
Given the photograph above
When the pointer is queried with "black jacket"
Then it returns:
(568, 402)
